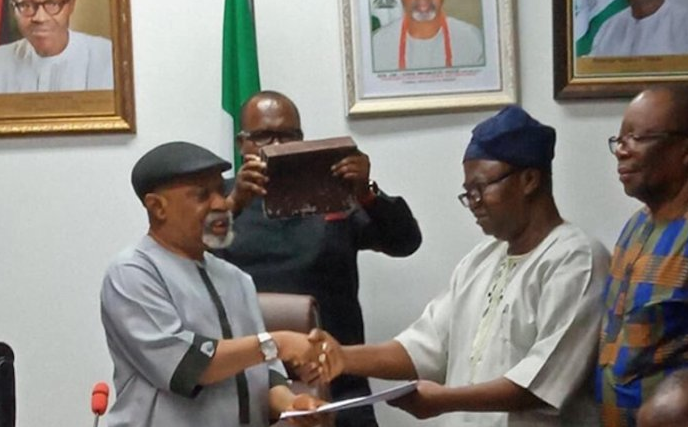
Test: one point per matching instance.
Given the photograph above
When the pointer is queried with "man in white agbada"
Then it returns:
(647, 27)
(512, 341)
(51, 57)
(426, 38)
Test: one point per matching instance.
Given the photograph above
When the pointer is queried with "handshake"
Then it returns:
(317, 358)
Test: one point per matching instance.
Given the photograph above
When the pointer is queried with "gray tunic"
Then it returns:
(162, 328)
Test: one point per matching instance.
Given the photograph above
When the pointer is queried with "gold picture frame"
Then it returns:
(374, 92)
(579, 72)
(88, 111)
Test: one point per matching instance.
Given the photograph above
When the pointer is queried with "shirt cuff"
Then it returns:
(197, 358)
(276, 379)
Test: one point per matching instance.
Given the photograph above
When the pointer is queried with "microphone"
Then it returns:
(99, 400)
(8, 406)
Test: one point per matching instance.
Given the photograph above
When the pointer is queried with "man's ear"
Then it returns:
(533, 181)
(156, 205)
(71, 5)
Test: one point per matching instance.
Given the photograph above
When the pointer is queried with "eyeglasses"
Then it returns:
(29, 8)
(475, 193)
(616, 141)
(266, 137)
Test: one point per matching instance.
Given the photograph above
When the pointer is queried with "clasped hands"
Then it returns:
(317, 358)
(321, 358)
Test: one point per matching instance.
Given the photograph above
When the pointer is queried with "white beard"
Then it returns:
(423, 16)
(213, 241)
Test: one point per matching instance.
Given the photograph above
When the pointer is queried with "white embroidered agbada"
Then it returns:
(544, 330)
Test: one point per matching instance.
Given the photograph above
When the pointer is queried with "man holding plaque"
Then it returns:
(314, 255)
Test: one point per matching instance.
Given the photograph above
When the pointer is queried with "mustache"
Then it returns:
(212, 240)
(216, 216)
(431, 7)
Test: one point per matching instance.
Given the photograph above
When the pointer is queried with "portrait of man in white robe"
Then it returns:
(51, 56)
(608, 28)
(426, 34)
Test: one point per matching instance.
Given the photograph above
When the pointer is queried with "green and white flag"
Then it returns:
(588, 17)
(240, 78)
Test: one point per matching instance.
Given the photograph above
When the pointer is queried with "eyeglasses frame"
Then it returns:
(35, 5)
(248, 135)
(615, 141)
(475, 193)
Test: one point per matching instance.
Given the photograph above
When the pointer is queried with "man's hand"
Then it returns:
(426, 402)
(282, 399)
(306, 402)
(356, 169)
(330, 356)
(295, 348)
(249, 182)
(309, 373)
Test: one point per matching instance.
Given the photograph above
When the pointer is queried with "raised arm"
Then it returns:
(386, 223)
(249, 182)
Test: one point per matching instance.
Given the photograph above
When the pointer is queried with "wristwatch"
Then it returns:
(268, 346)
(369, 197)
(373, 188)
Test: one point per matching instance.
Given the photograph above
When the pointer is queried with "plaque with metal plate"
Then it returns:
(300, 178)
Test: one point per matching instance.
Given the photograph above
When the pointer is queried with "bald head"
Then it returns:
(668, 407)
(677, 95)
(268, 104)
(268, 117)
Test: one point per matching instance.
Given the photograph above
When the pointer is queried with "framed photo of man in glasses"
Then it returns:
(65, 66)
(613, 48)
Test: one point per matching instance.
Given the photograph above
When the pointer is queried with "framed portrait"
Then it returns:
(407, 57)
(614, 48)
(72, 76)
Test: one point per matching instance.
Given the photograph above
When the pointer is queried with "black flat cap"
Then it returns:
(170, 161)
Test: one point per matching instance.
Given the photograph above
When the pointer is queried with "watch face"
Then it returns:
(267, 346)
(372, 186)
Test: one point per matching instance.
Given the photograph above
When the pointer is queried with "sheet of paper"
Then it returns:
(389, 394)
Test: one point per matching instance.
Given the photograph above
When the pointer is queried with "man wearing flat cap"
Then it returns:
(183, 327)
(512, 341)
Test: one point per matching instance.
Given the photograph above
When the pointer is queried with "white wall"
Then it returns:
(68, 207)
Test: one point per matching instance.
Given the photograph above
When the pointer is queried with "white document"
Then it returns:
(385, 395)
